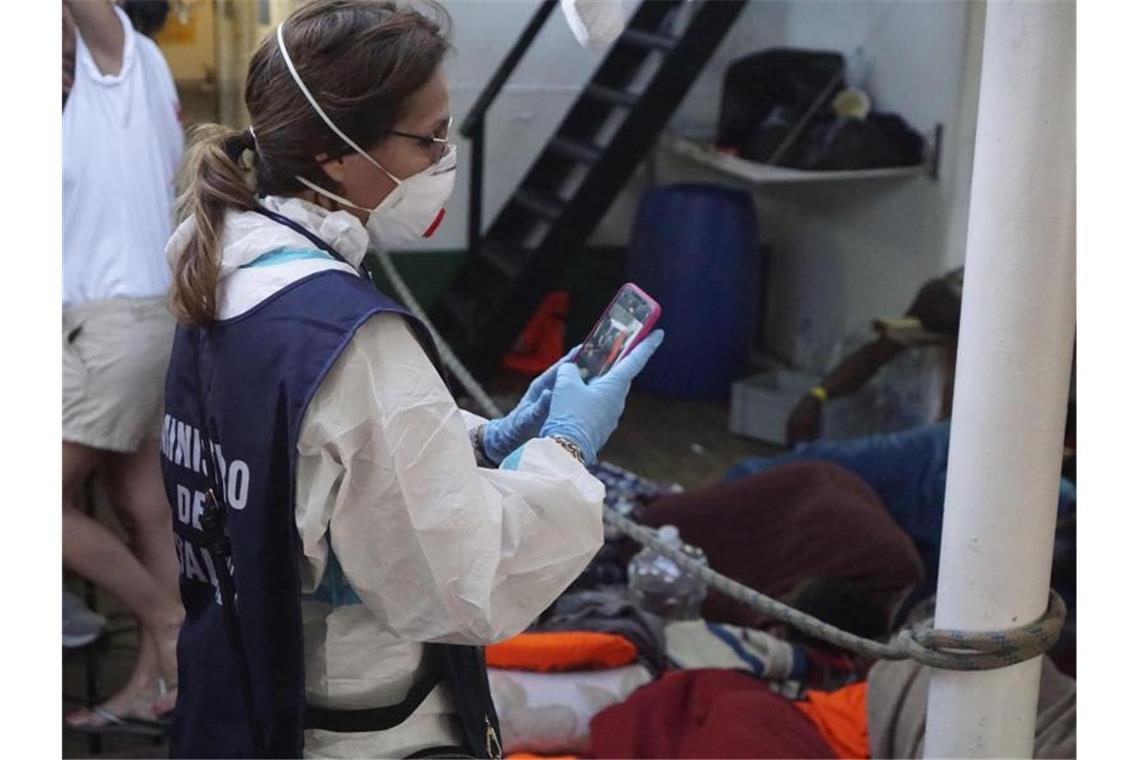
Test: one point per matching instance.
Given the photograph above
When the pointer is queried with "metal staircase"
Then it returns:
(613, 124)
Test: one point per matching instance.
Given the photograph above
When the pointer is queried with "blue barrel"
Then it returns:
(695, 249)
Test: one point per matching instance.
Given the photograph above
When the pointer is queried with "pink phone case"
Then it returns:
(647, 326)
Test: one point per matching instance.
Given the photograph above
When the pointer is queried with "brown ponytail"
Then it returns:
(364, 60)
(212, 183)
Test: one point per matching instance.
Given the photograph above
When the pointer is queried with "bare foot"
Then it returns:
(148, 704)
(167, 698)
(157, 666)
(151, 691)
(164, 640)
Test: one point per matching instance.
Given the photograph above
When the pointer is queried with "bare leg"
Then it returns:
(134, 483)
(94, 552)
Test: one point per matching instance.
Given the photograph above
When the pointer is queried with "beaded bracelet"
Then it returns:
(481, 457)
(570, 447)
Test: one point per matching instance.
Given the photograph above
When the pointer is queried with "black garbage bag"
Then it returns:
(766, 103)
(771, 88)
(843, 143)
(763, 141)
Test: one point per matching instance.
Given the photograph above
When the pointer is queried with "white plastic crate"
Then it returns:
(761, 403)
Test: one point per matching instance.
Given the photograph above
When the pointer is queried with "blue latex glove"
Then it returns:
(588, 413)
(504, 435)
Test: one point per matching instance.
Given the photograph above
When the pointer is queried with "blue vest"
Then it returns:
(253, 377)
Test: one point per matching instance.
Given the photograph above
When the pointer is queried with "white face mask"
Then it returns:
(414, 209)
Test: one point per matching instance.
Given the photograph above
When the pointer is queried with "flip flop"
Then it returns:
(164, 717)
(112, 723)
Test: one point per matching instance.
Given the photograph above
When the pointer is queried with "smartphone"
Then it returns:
(625, 322)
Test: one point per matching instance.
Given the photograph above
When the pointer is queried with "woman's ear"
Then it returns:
(334, 168)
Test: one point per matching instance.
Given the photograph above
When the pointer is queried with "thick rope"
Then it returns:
(947, 649)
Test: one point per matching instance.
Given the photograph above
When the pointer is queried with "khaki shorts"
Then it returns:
(115, 355)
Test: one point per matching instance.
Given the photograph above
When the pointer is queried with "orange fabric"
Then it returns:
(541, 341)
(529, 756)
(558, 650)
(841, 717)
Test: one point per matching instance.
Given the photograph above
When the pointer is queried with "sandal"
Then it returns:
(164, 711)
(108, 722)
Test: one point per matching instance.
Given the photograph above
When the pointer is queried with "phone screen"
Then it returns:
(613, 333)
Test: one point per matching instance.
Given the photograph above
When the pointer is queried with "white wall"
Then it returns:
(842, 254)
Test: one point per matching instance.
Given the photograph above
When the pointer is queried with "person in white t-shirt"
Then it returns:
(122, 144)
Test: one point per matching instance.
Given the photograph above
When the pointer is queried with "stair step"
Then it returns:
(611, 96)
(653, 14)
(540, 203)
(579, 151)
(509, 262)
(648, 40)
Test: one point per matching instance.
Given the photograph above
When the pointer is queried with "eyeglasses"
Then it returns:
(435, 144)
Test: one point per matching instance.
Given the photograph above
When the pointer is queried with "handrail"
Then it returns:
(473, 124)
(506, 68)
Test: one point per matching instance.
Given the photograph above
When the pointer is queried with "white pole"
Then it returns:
(1015, 347)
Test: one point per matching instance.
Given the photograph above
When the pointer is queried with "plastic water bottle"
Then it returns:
(658, 585)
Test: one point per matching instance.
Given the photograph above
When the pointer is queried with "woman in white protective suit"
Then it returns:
(347, 537)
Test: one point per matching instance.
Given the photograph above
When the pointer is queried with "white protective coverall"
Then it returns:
(405, 539)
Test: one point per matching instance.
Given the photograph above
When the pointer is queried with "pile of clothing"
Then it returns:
(600, 678)
(580, 678)
(597, 676)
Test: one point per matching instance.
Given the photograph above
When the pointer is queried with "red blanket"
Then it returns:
(705, 713)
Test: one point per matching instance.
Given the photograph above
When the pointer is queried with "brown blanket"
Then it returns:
(804, 520)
